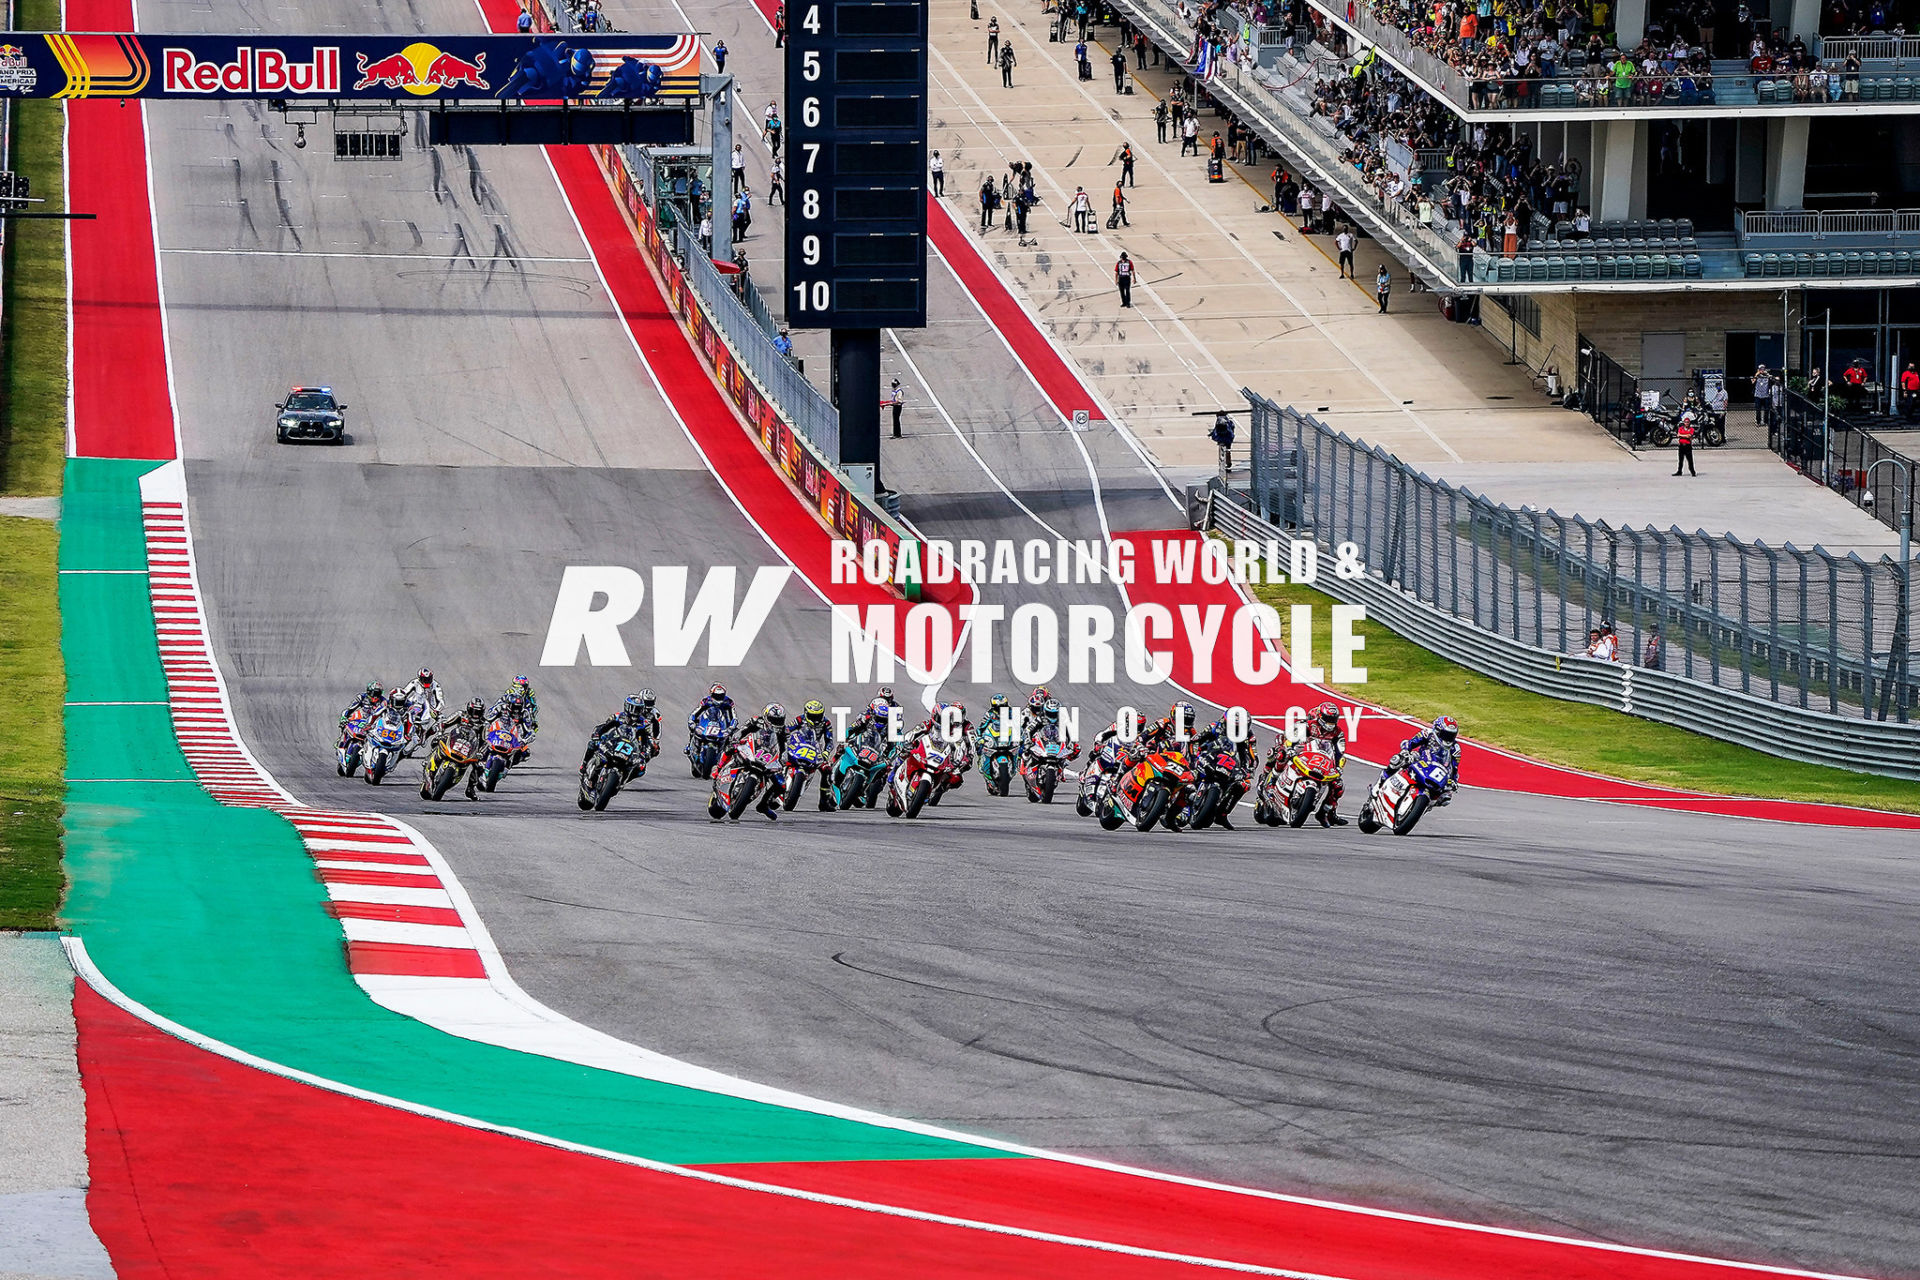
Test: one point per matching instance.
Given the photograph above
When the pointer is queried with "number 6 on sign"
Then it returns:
(821, 295)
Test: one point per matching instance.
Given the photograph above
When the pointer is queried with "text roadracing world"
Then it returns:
(1077, 643)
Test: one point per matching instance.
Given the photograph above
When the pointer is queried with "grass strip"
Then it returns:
(33, 329)
(1404, 677)
(32, 758)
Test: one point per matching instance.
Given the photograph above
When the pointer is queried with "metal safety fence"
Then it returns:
(1804, 628)
(748, 330)
(1831, 446)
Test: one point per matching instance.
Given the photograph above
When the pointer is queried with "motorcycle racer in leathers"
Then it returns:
(1443, 739)
(1323, 733)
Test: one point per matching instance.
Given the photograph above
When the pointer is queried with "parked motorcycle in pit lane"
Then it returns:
(453, 754)
(619, 759)
(506, 742)
(1152, 790)
(353, 741)
(1399, 799)
(386, 743)
(706, 742)
(1041, 765)
(740, 776)
(805, 758)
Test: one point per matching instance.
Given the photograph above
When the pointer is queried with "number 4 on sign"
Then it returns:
(812, 21)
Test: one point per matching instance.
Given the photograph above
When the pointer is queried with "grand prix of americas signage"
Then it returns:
(610, 68)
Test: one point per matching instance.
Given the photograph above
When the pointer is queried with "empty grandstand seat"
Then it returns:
(1589, 268)
(1903, 88)
(1853, 264)
(1606, 266)
(1692, 266)
(1642, 267)
(1658, 264)
(1556, 268)
(1820, 264)
(1803, 264)
(1503, 273)
(1769, 264)
(1903, 261)
(1753, 264)
(1886, 262)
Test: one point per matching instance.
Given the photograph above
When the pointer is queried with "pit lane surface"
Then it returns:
(1650, 1027)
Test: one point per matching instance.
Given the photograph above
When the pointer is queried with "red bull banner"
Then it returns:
(591, 68)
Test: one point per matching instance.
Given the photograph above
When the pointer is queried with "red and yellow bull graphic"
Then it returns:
(545, 66)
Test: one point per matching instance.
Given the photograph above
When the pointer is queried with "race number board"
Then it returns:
(856, 164)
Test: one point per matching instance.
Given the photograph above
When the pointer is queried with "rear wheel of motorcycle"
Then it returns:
(922, 791)
(609, 783)
(744, 788)
(584, 800)
(442, 779)
(1366, 821)
(1002, 776)
(1111, 818)
(1082, 807)
(1403, 825)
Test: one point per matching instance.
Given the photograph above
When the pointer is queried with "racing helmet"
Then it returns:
(522, 687)
(814, 710)
(1326, 719)
(476, 708)
(718, 693)
(426, 678)
(647, 699)
(1051, 711)
(1447, 729)
(374, 692)
(879, 708)
(886, 695)
(1038, 698)
(1183, 715)
(634, 710)
(394, 695)
(997, 703)
(774, 714)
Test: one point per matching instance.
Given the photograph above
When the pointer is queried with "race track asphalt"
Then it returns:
(1663, 1029)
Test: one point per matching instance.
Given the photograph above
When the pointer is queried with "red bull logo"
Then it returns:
(251, 71)
(422, 69)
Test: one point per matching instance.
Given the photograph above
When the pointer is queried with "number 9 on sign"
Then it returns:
(810, 251)
(814, 295)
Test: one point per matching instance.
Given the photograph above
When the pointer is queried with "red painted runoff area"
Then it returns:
(1171, 1217)
(1381, 734)
(122, 404)
(207, 1169)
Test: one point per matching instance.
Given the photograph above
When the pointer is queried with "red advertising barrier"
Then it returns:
(845, 511)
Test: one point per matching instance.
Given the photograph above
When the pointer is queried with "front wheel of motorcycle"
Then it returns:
(922, 791)
(1366, 822)
(1403, 825)
(1111, 818)
(795, 785)
(375, 772)
(1083, 807)
(744, 789)
(1147, 812)
(443, 778)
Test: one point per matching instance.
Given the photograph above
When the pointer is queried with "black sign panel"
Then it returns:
(856, 164)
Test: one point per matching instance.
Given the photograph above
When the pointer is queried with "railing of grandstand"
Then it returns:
(1804, 628)
(1811, 224)
(1870, 48)
(1472, 91)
